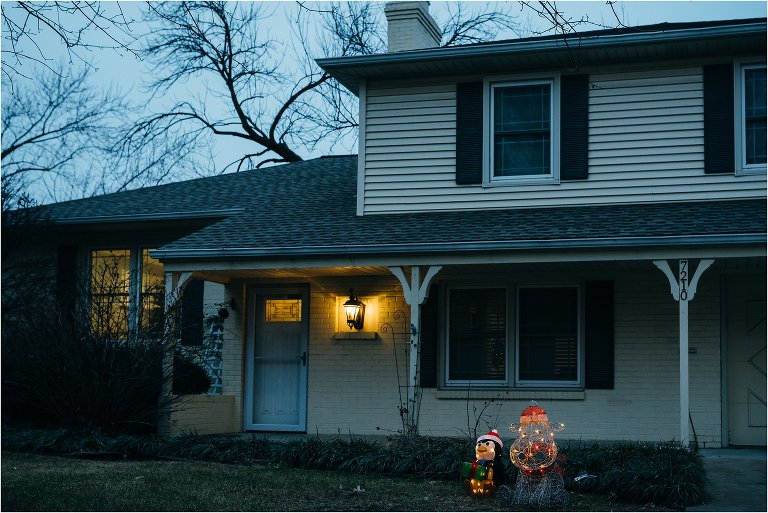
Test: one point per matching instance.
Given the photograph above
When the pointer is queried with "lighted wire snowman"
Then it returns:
(534, 453)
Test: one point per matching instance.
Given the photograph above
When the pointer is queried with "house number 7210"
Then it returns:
(683, 280)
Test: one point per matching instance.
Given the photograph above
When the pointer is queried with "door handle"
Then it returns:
(303, 357)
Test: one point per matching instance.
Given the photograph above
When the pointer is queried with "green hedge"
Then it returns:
(633, 472)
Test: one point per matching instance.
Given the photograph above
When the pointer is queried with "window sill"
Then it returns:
(490, 393)
(521, 181)
(356, 337)
(751, 171)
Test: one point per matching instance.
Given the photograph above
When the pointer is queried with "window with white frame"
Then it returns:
(538, 338)
(751, 116)
(522, 131)
(126, 291)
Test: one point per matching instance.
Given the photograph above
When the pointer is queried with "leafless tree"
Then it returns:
(49, 126)
(558, 23)
(268, 93)
(471, 22)
(80, 26)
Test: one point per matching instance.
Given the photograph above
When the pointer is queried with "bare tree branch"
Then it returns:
(53, 123)
(477, 22)
(80, 26)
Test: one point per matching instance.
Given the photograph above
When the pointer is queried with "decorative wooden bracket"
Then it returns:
(415, 293)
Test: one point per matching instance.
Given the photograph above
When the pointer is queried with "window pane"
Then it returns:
(522, 155)
(477, 335)
(548, 334)
(521, 124)
(152, 293)
(110, 286)
(521, 108)
(282, 310)
(755, 115)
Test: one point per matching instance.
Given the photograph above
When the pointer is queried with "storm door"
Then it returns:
(276, 384)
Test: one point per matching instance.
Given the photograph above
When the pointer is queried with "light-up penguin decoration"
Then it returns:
(483, 475)
(534, 453)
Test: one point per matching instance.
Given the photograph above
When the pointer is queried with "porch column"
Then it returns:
(415, 294)
(174, 283)
(683, 290)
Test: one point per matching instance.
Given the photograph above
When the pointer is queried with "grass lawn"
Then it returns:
(51, 483)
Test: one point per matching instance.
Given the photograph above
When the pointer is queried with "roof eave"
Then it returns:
(349, 70)
(614, 243)
(141, 217)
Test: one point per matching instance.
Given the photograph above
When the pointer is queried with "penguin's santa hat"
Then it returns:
(492, 435)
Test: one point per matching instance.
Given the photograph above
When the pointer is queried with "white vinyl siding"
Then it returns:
(646, 144)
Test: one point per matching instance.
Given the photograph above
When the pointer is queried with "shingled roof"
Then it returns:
(309, 209)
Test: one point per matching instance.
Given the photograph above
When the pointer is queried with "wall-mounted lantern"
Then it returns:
(355, 311)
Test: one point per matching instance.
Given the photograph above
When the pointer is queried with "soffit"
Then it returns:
(571, 54)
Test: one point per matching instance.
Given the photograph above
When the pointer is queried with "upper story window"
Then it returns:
(753, 117)
(126, 291)
(522, 132)
(530, 130)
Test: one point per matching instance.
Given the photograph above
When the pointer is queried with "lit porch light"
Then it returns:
(355, 311)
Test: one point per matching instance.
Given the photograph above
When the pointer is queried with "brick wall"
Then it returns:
(204, 414)
(644, 405)
(353, 384)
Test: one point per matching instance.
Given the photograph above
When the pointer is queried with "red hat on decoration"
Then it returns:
(492, 435)
(533, 414)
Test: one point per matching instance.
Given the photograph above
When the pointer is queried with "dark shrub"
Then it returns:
(188, 377)
(57, 373)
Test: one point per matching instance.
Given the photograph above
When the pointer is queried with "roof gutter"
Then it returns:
(462, 247)
(541, 46)
(161, 216)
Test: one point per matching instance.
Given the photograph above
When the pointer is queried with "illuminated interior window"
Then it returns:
(152, 293)
(283, 310)
(127, 291)
(110, 291)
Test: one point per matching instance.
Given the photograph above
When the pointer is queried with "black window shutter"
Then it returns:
(67, 278)
(718, 119)
(192, 314)
(469, 133)
(574, 127)
(599, 334)
(429, 333)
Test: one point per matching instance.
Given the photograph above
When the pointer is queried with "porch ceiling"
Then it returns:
(459, 270)
(245, 274)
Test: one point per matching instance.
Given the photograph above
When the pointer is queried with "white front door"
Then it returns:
(746, 360)
(276, 385)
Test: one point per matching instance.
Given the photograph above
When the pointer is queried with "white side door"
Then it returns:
(276, 384)
(746, 360)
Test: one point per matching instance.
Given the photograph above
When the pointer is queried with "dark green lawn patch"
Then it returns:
(631, 472)
(50, 483)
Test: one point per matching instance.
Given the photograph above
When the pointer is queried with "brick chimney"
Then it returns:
(410, 27)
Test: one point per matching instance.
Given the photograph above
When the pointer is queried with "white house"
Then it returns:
(576, 220)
